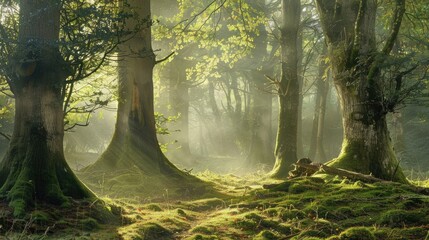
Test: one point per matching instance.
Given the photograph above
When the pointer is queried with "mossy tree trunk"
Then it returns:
(288, 91)
(34, 168)
(349, 28)
(135, 143)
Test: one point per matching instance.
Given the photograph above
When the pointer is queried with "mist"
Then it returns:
(214, 119)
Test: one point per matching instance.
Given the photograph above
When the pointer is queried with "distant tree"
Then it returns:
(261, 62)
(134, 143)
(214, 38)
(317, 151)
(357, 65)
(288, 90)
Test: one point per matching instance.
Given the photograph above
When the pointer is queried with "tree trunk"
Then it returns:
(317, 152)
(349, 28)
(260, 151)
(286, 142)
(34, 168)
(300, 52)
(135, 143)
(179, 101)
(320, 150)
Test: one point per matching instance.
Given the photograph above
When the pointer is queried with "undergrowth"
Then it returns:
(318, 207)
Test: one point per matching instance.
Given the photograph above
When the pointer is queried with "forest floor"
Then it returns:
(311, 208)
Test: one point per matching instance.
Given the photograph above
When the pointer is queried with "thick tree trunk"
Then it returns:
(286, 142)
(34, 168)
(349, 28)
(135, 143)
(366, 142)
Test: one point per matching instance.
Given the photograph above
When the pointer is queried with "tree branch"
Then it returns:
(7, 136)
(164, 59)
(396, 25)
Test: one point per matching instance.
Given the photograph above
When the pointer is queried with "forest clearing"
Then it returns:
(249, 207)
(214, 119)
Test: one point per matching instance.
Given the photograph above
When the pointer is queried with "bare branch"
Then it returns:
(164, 59)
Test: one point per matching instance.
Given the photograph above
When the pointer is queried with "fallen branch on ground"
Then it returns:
(304, 167)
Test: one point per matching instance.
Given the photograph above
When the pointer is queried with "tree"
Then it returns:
(179, 101)
(317, 151)
(134, 142)
(34, 168)
(357, 64)
(260, 123)
(288, 91)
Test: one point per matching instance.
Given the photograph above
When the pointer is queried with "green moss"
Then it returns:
(40, 217)
(333, 238)
(253, 216)
(152, 231)
(399, 218)
(266, 235)
(274, 212)
(401, 233)
(282, 187)
(297, 188)
(205, 204)
(357, 233)
(181, 212)
(412, 203)
(288, 214)
(202, 237)
(203, 229)
(89, 224)
(343, 213)
(310, 233)
(247, 225)
(154, 207)
(351, 159)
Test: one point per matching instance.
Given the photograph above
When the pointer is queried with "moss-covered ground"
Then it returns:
(251, 207)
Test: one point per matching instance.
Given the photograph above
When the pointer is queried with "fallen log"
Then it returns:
(318, 167)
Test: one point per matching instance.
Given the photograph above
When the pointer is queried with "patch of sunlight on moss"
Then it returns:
(145, 231)
(356, 233)
(153, 207)
(205, 204)
(204, 229)
(266, 235)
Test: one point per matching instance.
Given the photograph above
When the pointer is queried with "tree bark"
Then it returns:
(135, 143)
(349, 29)
(286, 142)
(34, 168)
